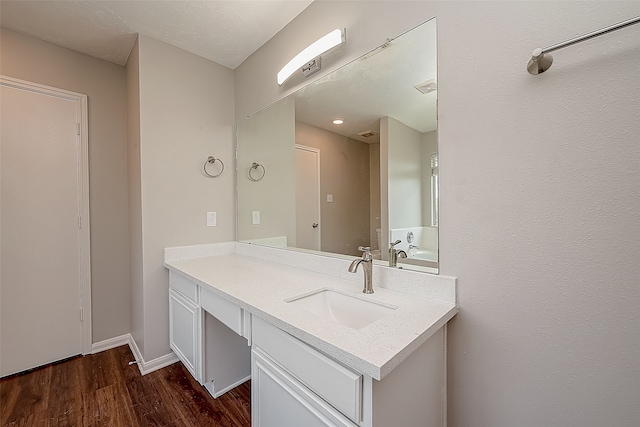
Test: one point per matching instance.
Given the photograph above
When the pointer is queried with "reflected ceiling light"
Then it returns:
(338, 121)
(309, 59)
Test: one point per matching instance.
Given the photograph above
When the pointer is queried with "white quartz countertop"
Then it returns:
(261, 287)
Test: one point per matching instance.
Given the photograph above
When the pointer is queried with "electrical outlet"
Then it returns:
(211, 219)
(255, 217)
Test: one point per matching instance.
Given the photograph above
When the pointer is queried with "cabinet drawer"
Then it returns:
(335, 383)
(184, 285)
(223, 310)
(278, 399)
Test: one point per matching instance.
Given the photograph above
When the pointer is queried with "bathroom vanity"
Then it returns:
(318, 350)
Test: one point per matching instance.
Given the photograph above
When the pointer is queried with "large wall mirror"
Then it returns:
(306, 183)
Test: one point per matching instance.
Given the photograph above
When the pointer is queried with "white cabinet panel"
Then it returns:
(223, 310)
(184, 331)
(278, 400)
(184, 285)
(332, 381)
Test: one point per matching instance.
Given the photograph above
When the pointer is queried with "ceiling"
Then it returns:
(226, 32)
(381, 83)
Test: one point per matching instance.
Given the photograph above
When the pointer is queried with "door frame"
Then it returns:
(84, 239)
(316, 151)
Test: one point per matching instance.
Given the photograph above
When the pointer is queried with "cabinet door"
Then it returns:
(334, 383)
(278, 400)
(184, 331)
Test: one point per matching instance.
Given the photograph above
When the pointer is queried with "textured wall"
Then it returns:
(540, 216)
(405, 173)
(104, 83)
(135, 197)
(539, 200)
(267, 138)
(186, 105)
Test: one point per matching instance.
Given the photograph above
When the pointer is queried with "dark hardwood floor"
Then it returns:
(103, 390)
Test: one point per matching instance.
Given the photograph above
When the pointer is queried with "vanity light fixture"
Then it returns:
(338, 121)
(309, 59)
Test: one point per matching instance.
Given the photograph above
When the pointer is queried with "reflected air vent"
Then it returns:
(367, 134)
(427, 87)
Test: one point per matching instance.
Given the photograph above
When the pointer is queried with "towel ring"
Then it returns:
(255, 166)
(211, 160)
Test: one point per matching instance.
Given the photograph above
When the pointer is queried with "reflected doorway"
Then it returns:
(307, 161)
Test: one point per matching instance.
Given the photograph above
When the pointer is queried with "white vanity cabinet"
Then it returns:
(230, 322)
(296, 385)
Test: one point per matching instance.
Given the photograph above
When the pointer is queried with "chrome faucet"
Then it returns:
(367, 264)
(395, 253)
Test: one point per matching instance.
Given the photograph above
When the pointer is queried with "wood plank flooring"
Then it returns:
(103, 390)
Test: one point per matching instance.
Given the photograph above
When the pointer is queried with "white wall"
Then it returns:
(539, 198)
(374, 194)
(186, 105)
(40, 62)
(135, 197)
(404, 175)
(268, 138)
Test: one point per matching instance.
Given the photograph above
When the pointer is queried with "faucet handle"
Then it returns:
(391, 245)
(366, 252)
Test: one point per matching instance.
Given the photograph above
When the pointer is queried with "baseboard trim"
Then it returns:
(144, 366)
(110, 343)
(210, 386)
(137, 355)
(157, 363)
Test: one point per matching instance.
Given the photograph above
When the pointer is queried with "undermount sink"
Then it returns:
(342, 308)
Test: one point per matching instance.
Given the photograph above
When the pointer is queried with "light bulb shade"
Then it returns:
(317, 48)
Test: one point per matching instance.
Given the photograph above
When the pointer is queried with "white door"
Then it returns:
(307, 198)
(42, 238)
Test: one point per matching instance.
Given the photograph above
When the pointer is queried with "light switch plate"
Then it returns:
(255, 217)
(330, 198)
(211, 219)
